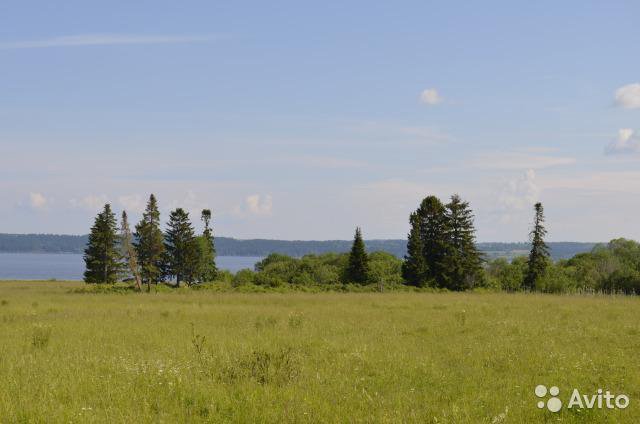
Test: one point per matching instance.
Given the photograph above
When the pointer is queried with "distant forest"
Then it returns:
(226, 246)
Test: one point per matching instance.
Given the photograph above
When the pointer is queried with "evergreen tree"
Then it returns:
(181, 247)
(149, 244)
(433, 230)
(462, 262)
(358, 267)
(101, 256)
(414, 267)
(128, 252)
(539, 255)
(207, 269)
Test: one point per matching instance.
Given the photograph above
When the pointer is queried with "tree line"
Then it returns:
(441, 253)
(149, 255)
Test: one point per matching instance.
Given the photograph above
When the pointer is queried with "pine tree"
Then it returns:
(207, 269)
(414, 267)
(358, 267)
(128, 252)
(181, 248)
(433, 230)
(101, 256)
(539, 255)
(149, 244)
(462, 262)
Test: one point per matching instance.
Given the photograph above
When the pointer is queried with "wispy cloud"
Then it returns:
(398, 133)
(105, 40)
(519, 160)
(90, 203)
(519, 193)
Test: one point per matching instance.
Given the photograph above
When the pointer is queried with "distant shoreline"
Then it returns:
(227, 246)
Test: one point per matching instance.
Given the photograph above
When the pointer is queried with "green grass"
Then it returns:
(203, 356)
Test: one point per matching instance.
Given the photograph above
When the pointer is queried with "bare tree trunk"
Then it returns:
(129, 251)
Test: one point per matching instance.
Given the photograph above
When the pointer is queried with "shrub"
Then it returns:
(507, 276)
(623, 281)
(268, 280)
(243, 277)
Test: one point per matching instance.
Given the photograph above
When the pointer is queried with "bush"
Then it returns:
(623, 281)
(224, 276)
(506, 276)
(267, 280)
(244, 277)
(557, 279)
(385, 268)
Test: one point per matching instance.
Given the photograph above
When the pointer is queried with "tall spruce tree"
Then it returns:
(149, 244)
(101, 255)
(539, 255)
(433, 230)
(358, 267)
(462, 262)
(414, 267)
(128, 251)
(207, 269)
(181, 247)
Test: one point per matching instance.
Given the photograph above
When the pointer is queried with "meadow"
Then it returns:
(205, 356)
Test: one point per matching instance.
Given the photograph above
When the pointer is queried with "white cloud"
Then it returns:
(91, 202)
(519, 193)
(628, 141)
(191, 202)
(430, 96)
(519, 160)
(628, 96)
(37, 200)
(259, 205)
(103, 40)
(132, 203)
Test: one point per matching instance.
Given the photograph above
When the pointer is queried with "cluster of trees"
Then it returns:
(441, 248)
(441, 254)
(149, 255)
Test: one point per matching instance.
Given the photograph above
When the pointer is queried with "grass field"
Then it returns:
(199, 356)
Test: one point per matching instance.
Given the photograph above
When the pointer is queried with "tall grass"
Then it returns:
(204, 356)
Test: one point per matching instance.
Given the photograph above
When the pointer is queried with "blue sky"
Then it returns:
(301, 121)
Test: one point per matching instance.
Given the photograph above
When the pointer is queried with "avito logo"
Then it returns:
(602, 399)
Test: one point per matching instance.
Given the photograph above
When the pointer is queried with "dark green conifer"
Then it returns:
(101, 255)
(414, 267)
(149, 244)
(463, 262)
(539, 255)
(433, 229)
(358, 267)
(182, 256)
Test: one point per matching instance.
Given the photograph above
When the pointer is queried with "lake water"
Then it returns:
(44, 266)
